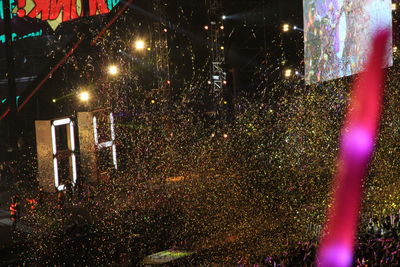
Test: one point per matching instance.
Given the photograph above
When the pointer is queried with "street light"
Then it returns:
(139, 45)
(287, 73)
(113, 70)
(84, 96)
(285, 27)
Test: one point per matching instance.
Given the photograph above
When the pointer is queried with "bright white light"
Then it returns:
(140, 45)
(72, 135)
(288, 73)
(55, 166)
(114, 153)
(61, 122)
(53, 139)
(72, 148)
(84, 96)
(108, 143)
(285, 27)
(96, 139)
(112, 127)
(74, 169)
(105, 144)
(113, 70)
(223, 17)
(114, 149)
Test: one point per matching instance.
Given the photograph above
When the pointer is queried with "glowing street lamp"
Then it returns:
(140, 45)
(113, 70)
(84, 96)
(285, 27)
(288, 73)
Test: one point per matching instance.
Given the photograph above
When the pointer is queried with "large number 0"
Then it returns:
(49, 156)
(71, 152)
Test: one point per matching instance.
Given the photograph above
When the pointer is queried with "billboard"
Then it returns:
(338, 34)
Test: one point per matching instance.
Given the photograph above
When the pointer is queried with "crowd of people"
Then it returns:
(378, 244)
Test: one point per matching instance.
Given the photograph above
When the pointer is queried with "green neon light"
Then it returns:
(16, 37)
(12, 5)
(16, 99)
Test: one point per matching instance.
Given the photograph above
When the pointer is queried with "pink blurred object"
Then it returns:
(356, 148)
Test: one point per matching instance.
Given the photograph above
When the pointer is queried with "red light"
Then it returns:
(168, 82)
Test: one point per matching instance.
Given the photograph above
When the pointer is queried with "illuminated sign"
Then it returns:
(71, 152)
(337, 36)
(54, 12)
(15, 36)
(58, 11)
(106, 144)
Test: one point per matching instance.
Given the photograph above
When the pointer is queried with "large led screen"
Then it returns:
(337, 35)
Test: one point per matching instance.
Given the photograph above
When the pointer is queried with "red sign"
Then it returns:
(58, 11)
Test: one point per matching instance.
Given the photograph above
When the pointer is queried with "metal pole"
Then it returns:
(10, 73)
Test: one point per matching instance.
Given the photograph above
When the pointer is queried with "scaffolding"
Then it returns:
(161, 48)
(216, 38)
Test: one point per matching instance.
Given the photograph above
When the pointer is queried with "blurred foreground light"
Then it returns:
(84, 96)
(113, 70)
(140, 45)
(285, 27)
(288, 73)
(394, 49)
(394, 6)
